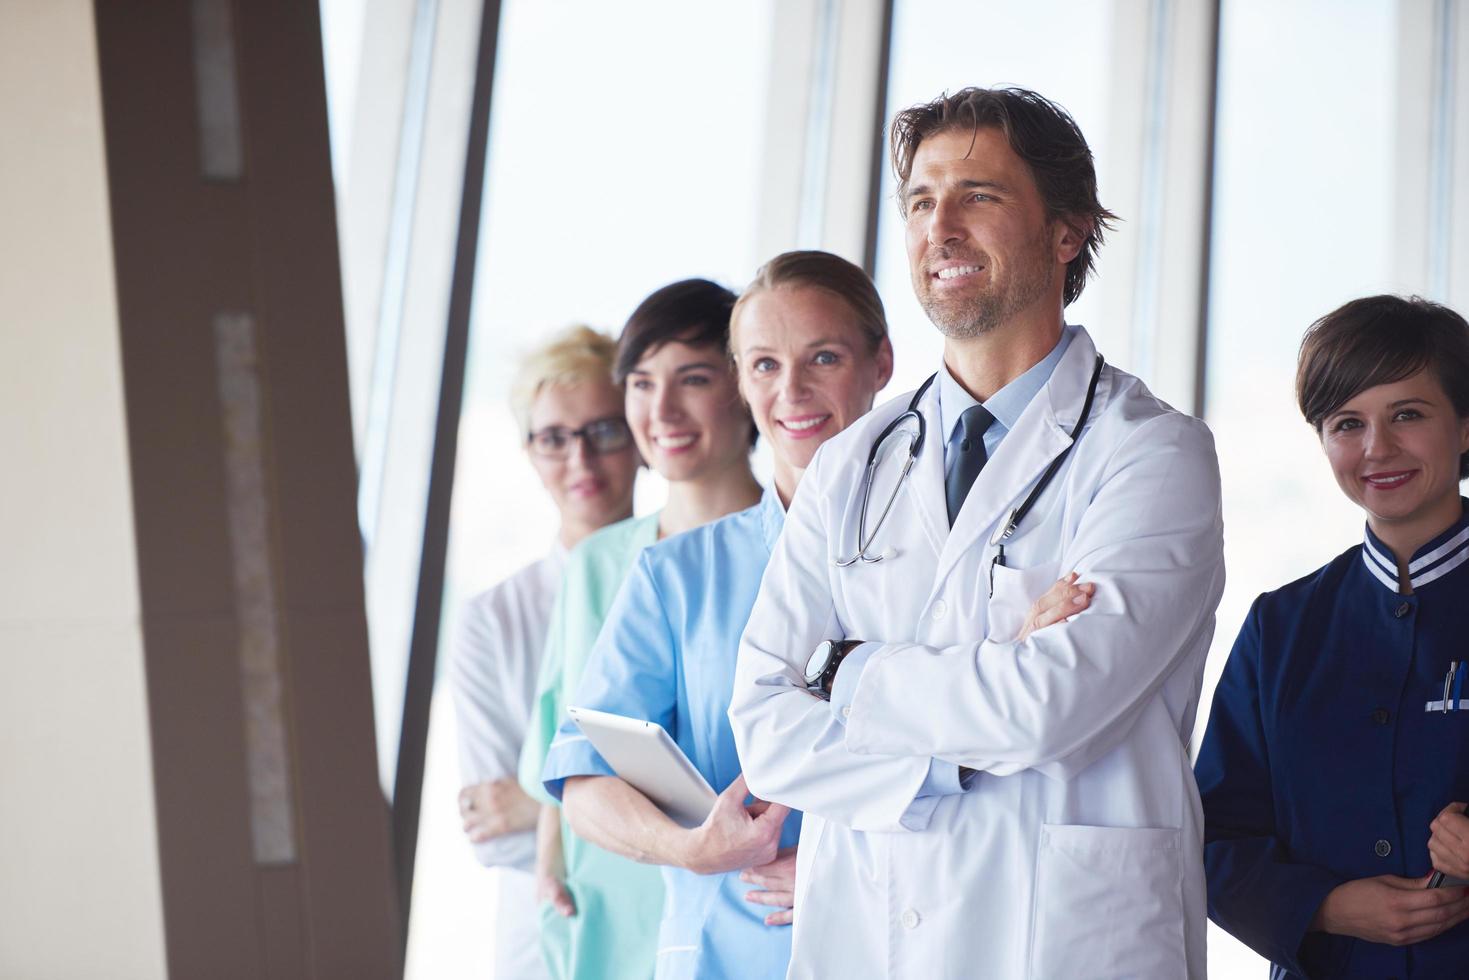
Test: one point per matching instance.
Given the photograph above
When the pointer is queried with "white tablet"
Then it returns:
(644, 755)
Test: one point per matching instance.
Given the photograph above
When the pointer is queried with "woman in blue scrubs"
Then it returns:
(691, 426)
(1335, 767)
(809, 339)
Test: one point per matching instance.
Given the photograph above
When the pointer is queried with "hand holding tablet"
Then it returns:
(647, 758)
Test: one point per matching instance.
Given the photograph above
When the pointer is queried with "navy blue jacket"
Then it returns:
(1325, 758)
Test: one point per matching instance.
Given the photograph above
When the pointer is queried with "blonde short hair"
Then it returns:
(574, 355)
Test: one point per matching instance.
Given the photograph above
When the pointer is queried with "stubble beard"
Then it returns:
(962, 318)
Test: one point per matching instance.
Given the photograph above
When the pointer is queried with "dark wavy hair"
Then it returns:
(1375, 341)
(1041, 133)
(691, 311)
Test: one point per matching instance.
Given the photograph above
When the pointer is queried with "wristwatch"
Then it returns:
(821, 668)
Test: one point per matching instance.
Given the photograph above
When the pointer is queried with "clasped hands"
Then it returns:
(745, 837)
(1398, 911)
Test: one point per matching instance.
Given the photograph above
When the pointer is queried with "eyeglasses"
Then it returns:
(608, 435)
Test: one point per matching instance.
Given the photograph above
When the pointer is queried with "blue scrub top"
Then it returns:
(667, 654)
(1325, 761)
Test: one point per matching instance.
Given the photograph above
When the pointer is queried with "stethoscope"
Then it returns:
(1003, 532)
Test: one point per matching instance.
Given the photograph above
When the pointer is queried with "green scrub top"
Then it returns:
(619, 903)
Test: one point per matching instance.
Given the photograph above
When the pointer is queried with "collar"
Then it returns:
(1007, 404)
(772, 516)
(1429, 563)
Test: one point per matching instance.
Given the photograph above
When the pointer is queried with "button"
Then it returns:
(1403, 610)
(909, 918)
(1382, 848)
(1380, 716)
(939, 609)
(846, 711)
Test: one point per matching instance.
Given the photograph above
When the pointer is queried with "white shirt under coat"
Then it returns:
(497, 657)
(1075, 850)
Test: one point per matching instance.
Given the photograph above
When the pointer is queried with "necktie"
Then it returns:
(970, 458)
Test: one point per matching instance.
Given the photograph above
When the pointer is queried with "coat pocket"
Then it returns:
(1015, 591)
(1108, 904)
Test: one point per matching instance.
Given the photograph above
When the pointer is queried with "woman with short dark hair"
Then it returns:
(1335, 768)
(684, 409)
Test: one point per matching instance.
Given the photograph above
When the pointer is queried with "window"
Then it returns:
(1303, 221)
(624, 154)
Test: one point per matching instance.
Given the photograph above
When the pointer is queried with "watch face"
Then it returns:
(816, 665)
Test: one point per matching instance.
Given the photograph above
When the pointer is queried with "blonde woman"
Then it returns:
(570, 415)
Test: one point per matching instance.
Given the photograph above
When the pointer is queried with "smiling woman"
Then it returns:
(571, 414)
(1340, 706)
(1392, 410)
(810, 338)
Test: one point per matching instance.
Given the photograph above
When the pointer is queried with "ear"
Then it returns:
(884, 360)
(1068, 236)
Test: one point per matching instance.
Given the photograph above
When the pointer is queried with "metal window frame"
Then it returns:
(1432, 149)
(1154, 283)
(825, 112)
(428, 608)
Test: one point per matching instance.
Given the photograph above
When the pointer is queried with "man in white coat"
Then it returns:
(982, 803)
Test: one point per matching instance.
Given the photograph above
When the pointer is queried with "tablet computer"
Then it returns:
(644, 755)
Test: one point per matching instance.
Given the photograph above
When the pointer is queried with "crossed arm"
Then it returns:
(1150, 541)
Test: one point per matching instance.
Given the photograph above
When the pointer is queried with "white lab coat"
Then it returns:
(497, 658)
(1076, 851)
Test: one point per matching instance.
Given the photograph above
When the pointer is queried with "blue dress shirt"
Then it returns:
(667, 654)
(1328, 753)
(1006, 405)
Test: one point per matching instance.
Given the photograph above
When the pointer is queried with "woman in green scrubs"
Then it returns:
(600, 912)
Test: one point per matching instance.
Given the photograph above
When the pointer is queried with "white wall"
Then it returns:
(79, 882)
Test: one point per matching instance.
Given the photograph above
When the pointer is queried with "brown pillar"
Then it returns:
(273, 833)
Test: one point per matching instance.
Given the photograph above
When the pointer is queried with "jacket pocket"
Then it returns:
(1108, 904)
(1015, 591)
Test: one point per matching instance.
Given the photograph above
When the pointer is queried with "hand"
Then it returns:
(734, 835)
(1061, 601)
(1389, 909)
(1449, 845)
(775, 884)
(494, 808)
(551, 863)
(551, 889)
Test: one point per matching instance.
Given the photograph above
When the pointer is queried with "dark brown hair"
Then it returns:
(1042, 134)
(691, 311)
(1375, 341)
(832, 273)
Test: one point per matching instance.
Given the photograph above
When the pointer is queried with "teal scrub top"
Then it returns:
(613, 935)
